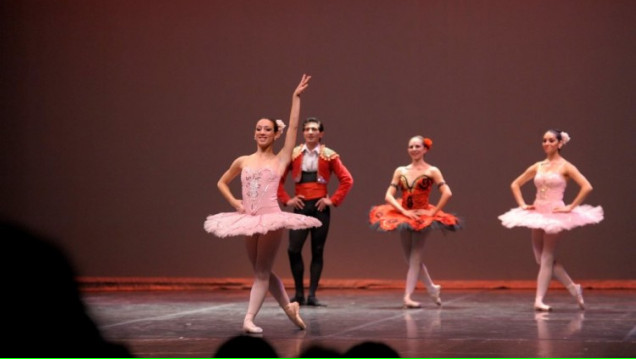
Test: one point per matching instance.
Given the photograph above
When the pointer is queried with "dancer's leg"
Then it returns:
(297, 240)
(276, 286)
(318, 240)
(432, 288)
(561, 275)
(261, 251)
(537, 244)
(267, 249)
(413, 260)
(544, 246)
(277, 289)
(412, 273)
(575, 289)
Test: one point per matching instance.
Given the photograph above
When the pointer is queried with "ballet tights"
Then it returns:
(544, 245)
(413, 248)
(261, 251)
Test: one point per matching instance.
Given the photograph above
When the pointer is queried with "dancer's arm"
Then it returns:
(515, 186)
(444, 189)
(224, 183)
(290, 138)
(345, 180)
(281, 193)
(389, 197)
(572, 172)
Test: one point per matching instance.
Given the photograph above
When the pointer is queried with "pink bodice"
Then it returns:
(262, 212)
(550, 189)
(259, 190)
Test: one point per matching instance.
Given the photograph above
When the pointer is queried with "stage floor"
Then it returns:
(470, 323)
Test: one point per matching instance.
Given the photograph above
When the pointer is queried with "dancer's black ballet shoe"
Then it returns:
(314, 302)
(293, 312)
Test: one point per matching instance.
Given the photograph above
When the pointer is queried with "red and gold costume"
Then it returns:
(414, 196)
(311, 184)
(328, 162)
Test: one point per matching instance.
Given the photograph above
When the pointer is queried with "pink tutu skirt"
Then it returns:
(552, 222)
(239, 224)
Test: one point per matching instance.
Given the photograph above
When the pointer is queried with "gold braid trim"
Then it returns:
(327, 153)
(296, 152)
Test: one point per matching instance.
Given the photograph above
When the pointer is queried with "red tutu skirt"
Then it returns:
(386, 218)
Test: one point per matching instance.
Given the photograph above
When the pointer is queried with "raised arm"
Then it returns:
(515, 186)
(572, 172)
(224, 183)
(290, 138)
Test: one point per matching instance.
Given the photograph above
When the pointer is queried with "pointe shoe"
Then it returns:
(411, 304)
(293, 312)
(577, 293)
(434, 293)
(298, 298)
(250, 328)
(540, 307)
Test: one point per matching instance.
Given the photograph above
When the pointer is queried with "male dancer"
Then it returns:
(311, 166)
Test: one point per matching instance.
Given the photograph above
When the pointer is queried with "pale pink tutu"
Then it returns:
(262, 212)
(237, 224)
(550, 188)
(552, 222)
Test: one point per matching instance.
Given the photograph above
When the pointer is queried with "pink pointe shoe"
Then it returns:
(411, 304)
(434, 293)
(293, 312)
(250, 328)
(540, 307)
(577, 293)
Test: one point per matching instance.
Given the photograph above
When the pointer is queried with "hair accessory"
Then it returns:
(281, 125)
(565, 137)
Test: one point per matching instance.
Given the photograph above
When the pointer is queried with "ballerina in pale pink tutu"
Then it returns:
(549, 215)
(258, 216)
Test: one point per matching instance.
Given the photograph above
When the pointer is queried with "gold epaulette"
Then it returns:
(327, 153)
(296, 152)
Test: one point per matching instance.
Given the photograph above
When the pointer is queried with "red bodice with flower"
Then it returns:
(414, 196)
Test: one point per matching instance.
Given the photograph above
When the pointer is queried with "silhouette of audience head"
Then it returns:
(42, 303)
(245, 346)
(371, 349)
(319, 351)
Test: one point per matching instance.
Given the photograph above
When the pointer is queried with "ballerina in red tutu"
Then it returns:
(413, 216)
(548, 215)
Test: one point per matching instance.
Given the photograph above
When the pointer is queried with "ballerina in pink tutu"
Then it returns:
(549, 215)
(258, 216)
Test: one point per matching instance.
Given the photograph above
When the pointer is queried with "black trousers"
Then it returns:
(297, 240)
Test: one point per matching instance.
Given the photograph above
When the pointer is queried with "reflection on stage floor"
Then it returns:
(470, 323)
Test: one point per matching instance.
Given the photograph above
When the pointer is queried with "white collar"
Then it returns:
(305, 148)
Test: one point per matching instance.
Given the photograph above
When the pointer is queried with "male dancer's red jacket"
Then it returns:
(328, 162)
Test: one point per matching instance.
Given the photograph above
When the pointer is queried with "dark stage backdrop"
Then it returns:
(118, 118)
